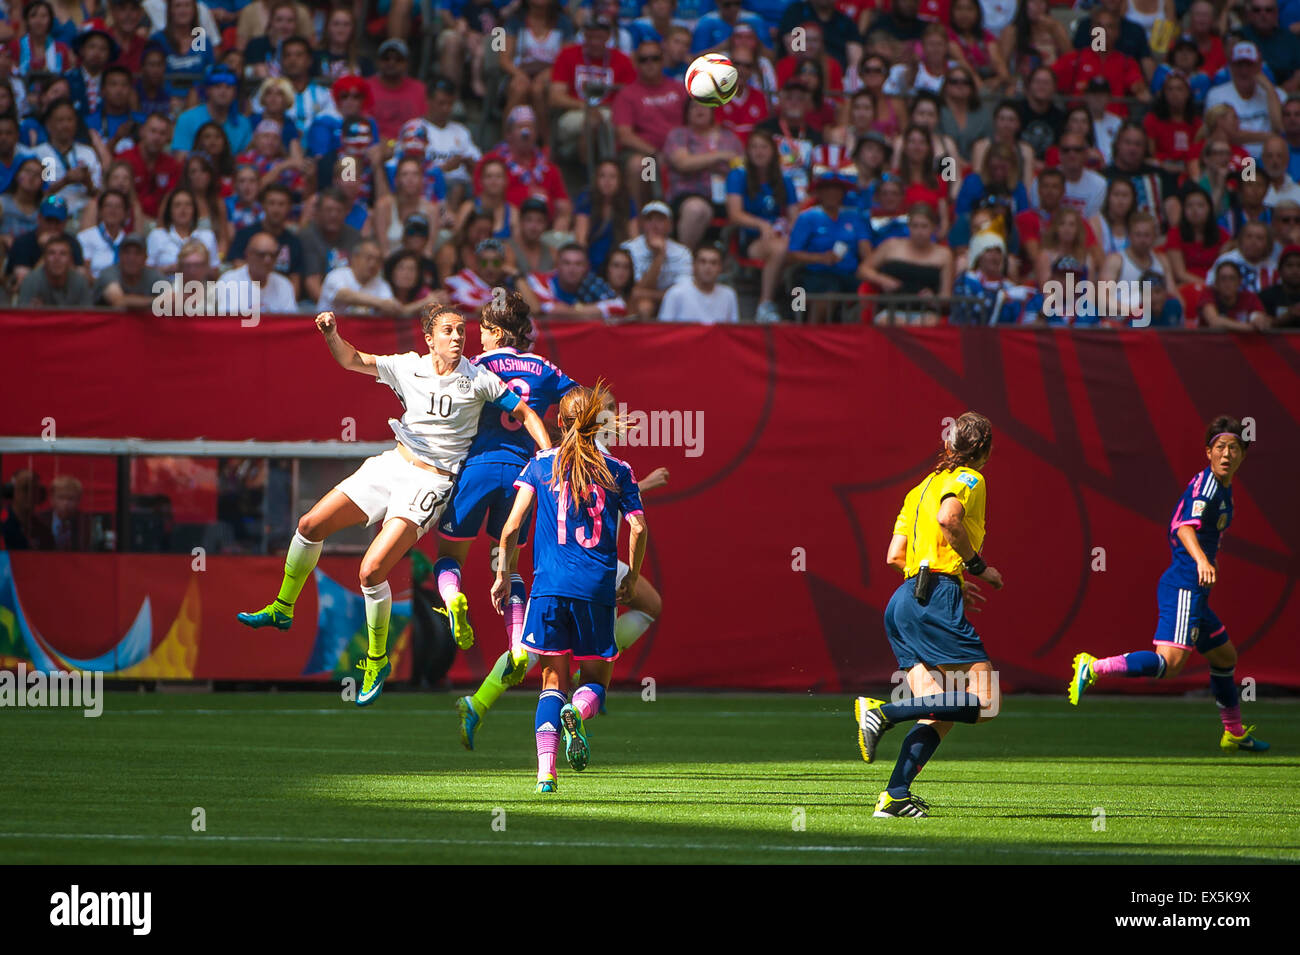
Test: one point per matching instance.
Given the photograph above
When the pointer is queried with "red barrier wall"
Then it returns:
(768, 545)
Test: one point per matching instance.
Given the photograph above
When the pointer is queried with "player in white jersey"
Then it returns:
(404, 489)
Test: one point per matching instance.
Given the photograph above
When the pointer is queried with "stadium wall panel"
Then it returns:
(768, 544)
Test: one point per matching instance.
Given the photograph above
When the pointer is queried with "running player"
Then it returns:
(581, 493)
(403, 489)
(516, 663)
(937, 536)
(1186, 621)
(485, 489)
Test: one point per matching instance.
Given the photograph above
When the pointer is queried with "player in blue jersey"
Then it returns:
(641, 610)
(581, 494)
(1186, 622)
(485, 488)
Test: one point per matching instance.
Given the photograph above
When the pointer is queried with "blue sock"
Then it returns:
(1145, 663)
(918, 746)
(548, 710)
(948, 707)
(1224, 685)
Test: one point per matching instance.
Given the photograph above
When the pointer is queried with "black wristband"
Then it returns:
(976, 565)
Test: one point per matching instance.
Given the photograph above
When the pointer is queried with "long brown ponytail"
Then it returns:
(578, 462)
(972, 438)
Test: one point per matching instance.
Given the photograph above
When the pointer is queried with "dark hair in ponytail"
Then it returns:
(972, 438)
(511, 317)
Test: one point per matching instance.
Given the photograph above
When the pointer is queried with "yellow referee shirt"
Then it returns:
(918, 521)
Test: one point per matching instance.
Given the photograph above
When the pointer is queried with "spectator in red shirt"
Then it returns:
(397, 97)
(646, 111)
(584, 80)
(1173, 123)
(1203, 27)
(156, 172)
(814, 50)
(1051, 199)
(530, 173)
(1226, 305)
(125, 17)
(1193, 245)
(1121, 71)
(749, 106)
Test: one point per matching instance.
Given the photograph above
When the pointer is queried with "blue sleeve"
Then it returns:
(703, 37)
(792, 195)
(562, 383)
(320, 136)
(736, 182)
(970, 191)
(582, 205)
(529, 475)
(800, 233)
(629, 495)
(1021, 197)
(508, 401)
(439, 184)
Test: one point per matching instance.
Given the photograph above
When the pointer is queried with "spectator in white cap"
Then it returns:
(658, 262)
(988, 297)
(701, 298)
(1257, 107)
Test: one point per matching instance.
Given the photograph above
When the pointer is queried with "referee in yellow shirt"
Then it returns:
(937, 538)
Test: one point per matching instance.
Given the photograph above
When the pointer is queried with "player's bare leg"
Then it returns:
(392, 542)
(332, 513)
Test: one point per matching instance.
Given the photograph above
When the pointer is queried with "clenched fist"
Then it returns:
(325, 322)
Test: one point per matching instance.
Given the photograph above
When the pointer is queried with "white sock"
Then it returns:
(629, 627)
(379, 603)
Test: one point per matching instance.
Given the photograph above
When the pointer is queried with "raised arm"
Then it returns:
(345, 354)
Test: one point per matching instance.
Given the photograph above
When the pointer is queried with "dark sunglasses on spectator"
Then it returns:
(650, 58)
(1287, 220)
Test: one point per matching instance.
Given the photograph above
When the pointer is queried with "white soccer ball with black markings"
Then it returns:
(712, 79)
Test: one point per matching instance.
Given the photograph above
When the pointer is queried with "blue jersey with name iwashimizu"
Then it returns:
(1206, 505)
(575, 546)
(501, 439)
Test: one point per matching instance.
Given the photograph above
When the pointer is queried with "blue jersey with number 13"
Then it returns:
(501, 439)
(575, 545)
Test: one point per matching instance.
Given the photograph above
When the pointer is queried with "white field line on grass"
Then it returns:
(579, 844)
(627, 712)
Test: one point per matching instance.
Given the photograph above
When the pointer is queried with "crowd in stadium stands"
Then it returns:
(922, 160)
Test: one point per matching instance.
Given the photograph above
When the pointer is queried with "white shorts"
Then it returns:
(388, 486)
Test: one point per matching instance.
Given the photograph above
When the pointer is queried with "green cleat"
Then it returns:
(1083, 678)
(871, 725)
(576, 750)
(469, 720)
(268, 616)
(547, 785)
(458, 614)
(374, 673)
(1245, 741)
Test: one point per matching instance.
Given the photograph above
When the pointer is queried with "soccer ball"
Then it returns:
(712, 79)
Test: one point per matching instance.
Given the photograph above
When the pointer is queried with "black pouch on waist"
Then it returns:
(924, 584)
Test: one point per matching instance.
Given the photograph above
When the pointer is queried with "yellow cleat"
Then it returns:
(1083, 677)
(1245, 741)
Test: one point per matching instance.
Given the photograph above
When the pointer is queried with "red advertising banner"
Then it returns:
(790, 450)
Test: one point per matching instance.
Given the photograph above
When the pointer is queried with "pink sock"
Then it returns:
(1117, 664)
(586, 702)
(1231, 716)
(548, 744)
(515, 613)
(448, 584)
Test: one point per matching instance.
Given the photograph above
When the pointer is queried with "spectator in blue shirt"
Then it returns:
(762, 200)
(829, 243)
(219, 85)
(114, 122)
(186, 60)
(714, 29)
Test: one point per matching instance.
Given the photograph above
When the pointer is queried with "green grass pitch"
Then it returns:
(305, 778)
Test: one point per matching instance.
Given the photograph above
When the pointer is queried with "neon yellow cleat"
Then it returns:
(517, 661)
(871, 725)
(547, 785)
(1083, 677)
(374, 673)
(458, 614)
(1245, 741)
